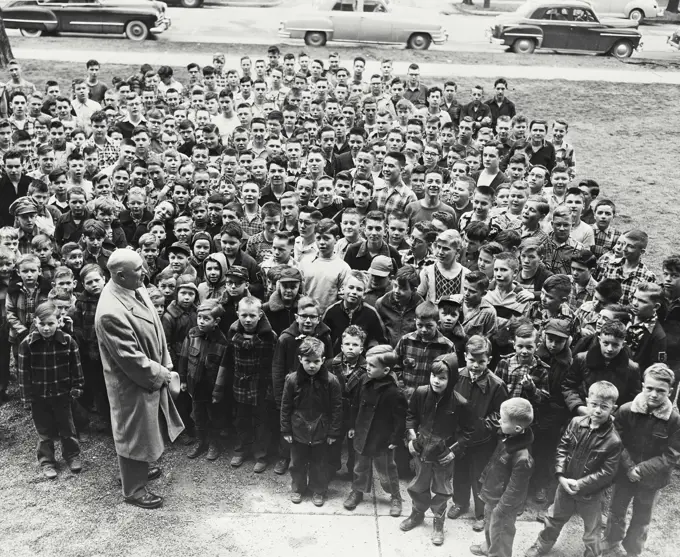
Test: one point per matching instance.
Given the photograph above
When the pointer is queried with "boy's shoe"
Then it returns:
(75, 465)
(478, 525)
(534, 551)
(318, 499)
(438, 530)
(613, 549)
(395, 507)
(353, 499)
(281, 467)
(237, 460)
(296, 497)
(479, 550)
(197, 450)
(50, 472)
(260, 466)
(213, 451)
(541, 495)
(456, 512)
(416, 518)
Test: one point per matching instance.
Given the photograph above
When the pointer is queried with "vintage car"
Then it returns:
(637, 10)
(136, 18)
(674, 39)
(369, 21)
(564, 26)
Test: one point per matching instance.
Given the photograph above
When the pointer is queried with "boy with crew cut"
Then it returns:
(198, 366)
(311, 419)
(649, 428)
(587, 460)
(439, 423)
(645, 336)
(505, 479)
(50, 376)
(377, 420)
(485, 393)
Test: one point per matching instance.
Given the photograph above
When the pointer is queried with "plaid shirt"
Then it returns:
(587, 315)
(108, 153)
(199, 361)
(253, 226)
(630, 281)
(407, 258)
(248, 361)
(496, 223)
(558, 256)
(539, 235)
(83, 325)
(258, 247)
(49, 368)
(21, 308)
(27, 125)
(578, 296)
(389, 198)
(540, 317)
(604, 240)
(416, 356)
(512, 372)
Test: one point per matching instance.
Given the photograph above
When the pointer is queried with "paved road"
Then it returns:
(217, 23)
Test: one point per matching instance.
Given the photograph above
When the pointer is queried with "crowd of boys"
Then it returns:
(353, 272)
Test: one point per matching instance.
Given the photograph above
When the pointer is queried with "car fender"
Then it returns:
(298, 26)
(512, 32)
(30, 17)
(647, 7)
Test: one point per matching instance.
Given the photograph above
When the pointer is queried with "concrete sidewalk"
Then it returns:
(487, 71)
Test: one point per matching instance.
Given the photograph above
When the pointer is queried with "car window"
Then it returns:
(557, 14)
(373, 7)
(581, 14)
(343, 7)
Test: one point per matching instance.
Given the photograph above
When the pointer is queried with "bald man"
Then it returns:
(136, 366)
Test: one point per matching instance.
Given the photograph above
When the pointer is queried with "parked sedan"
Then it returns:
(135, 18)
(564, 26)
(369, 21)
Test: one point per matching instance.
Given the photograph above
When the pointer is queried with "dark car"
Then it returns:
(136, 18)
(565, 26)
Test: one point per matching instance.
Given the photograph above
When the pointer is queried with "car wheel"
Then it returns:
(622, 49)
(136, 30)
(419, 41)
(636, 15)
(524, 46)
(315, 38)
(33, 33)
(191, 3)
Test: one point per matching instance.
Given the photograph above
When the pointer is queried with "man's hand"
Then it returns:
(166, 375)
(447, 459)
(350, 434)
(569, 485)
(288, 439)
(634, 474)
(524, 296)
(412, 449)
(331, 440)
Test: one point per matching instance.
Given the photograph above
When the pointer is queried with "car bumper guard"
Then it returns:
(161, 26)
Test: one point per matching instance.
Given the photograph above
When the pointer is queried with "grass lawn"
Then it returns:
(619, 133)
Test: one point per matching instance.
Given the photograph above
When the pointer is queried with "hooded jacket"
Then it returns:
(311, 407)
(285, 355)
(207, 290)
(378, 415)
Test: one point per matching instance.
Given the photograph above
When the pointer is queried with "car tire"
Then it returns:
(419, 41)
(636, 15)
(191, 3)
(31, 33)
(622, 49)
(524, 46)
(136, 30)
(315, 38)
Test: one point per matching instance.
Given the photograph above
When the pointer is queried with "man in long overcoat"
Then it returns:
(135, 359)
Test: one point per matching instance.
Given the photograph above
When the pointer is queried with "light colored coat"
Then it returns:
(134, 353)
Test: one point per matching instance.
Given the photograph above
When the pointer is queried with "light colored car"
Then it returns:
(369, 21)
(637, 10)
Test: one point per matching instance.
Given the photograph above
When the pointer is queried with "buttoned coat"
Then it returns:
(134, 353)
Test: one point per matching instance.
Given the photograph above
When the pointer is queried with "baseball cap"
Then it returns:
(180, 247)
(290, 274)
(381, 266)
(456, 299)
(22, 206)
(238, 272)
(558, 327)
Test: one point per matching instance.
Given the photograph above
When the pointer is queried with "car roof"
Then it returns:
(558, 4)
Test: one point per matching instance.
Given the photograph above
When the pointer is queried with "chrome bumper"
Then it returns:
(440, 38)
(161, 26)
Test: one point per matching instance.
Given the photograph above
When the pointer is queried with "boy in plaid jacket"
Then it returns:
(198, 366)
(93, 279)
(247, 367)
(50, 375)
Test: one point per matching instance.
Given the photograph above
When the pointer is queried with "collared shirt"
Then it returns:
(604, 239)
(558, 257)
(303, 253)
(629, 282)
(540, 316)
(108, 153)
(391, 198)
(579, 295)
(27, 124)
(513, 372)
(544, 155)
(506, 108)
(636, 332)
(252, 224)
